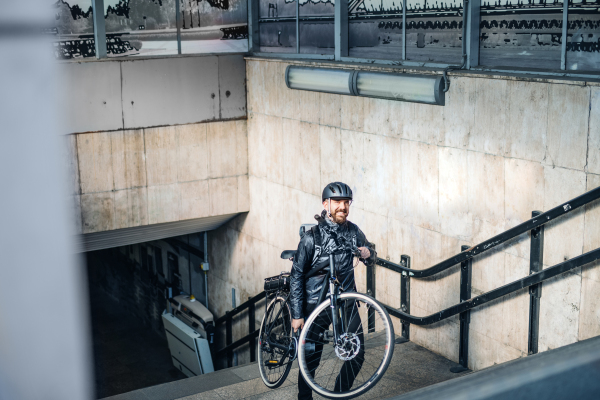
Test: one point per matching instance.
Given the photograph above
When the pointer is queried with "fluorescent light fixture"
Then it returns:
(339, 81)
(403, 87)
(428, 89)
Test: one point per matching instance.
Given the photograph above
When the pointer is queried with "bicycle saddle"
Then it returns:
(286, 254)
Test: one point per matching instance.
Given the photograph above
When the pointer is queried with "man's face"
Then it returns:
(339, 210)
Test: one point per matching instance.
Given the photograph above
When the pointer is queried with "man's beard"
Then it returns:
(339, 217)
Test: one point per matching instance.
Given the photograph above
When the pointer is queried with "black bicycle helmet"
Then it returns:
(337, 190)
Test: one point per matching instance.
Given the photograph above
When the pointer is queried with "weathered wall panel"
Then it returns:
(232, 86)
(122, 94)
(91, 96)
(134, 178)
(170, 91)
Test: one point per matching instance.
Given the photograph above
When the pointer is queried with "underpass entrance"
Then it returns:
(129, 288)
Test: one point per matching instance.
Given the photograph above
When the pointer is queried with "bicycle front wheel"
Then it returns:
(276, 346)
(354, 363)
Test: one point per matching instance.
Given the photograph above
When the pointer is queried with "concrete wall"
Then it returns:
(130, 178)
(139, 93)
(427, 180)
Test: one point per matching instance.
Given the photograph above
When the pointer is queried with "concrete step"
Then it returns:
(412, 367)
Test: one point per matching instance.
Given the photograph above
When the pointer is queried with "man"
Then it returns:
(333, 234)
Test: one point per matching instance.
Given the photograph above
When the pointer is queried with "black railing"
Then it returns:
(534, 281)
(249, 339)
(526, 226)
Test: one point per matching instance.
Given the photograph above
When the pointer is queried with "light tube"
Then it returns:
(403, 87)
(327, 80)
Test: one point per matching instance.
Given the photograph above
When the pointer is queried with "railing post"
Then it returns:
(229, 339)
(371, 292)
(464, 317)
(251, 328)
(536, 262)
(405, 297)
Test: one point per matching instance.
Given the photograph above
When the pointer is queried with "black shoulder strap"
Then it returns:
(317, 239)
(316, 234)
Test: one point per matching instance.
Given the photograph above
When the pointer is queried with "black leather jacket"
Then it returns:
(305, 292)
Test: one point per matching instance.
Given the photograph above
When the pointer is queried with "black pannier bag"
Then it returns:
(279, 282)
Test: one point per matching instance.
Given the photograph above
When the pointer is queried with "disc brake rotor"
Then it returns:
(348, 347)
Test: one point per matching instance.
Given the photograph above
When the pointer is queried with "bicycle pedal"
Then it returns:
(272, 363)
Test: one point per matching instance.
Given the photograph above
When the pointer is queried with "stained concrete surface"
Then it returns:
(412, 367)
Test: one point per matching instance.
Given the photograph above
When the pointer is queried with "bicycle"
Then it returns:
(341, 362)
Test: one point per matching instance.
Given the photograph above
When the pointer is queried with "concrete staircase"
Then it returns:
(412, 367)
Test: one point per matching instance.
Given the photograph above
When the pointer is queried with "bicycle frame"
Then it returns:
(334, 291)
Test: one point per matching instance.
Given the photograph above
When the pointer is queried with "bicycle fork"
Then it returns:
(333, 304)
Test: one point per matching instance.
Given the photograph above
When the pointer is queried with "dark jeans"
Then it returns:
(349, 369)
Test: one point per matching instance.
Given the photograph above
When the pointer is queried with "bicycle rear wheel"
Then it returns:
(276, 345)
(357, 362)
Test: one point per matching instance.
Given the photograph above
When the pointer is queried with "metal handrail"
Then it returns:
(250, 304)
(530, 280)
(240, 308)
(511, 233)
(238, 343)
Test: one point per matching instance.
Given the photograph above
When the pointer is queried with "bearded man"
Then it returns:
(335, 235)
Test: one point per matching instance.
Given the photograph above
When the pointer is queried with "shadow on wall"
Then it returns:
(232, 259)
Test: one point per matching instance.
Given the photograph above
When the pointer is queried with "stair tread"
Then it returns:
(412, 367)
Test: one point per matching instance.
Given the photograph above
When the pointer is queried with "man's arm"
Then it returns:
(302, 263)
(362, 242)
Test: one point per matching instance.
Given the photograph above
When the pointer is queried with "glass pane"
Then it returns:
(73, 29)
(277, 26)
(515, 33)
(434, 31)
(583, 35)
(317, 26)
(140, 27)
(375, 29)
(214, 26)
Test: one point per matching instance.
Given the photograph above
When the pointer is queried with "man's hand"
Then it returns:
(297, 324)
(364, 253)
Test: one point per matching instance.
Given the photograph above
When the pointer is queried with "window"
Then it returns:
(279, 21)
(214, 26)
(277, 26)
(521, 34)
(434, 31)
(516, 33)
(73, 29)
(140, 27)
(316, 25)
(150, 27)
(375, 29)
(583, 36)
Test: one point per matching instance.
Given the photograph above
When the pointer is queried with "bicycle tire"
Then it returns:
(386, 347)
(266, 372)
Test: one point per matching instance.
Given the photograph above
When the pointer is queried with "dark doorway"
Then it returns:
(128, 289)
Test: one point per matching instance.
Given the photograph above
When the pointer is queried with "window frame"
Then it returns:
(473, 14)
